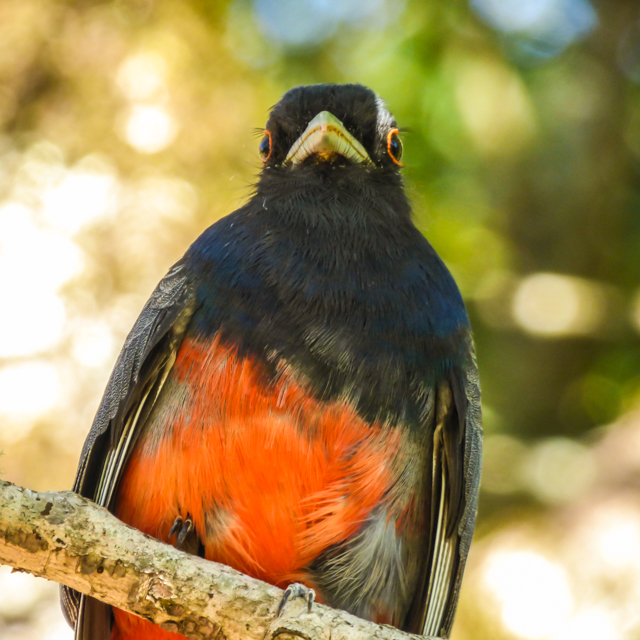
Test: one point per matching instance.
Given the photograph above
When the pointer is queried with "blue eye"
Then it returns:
(394, 146)
(265, 146)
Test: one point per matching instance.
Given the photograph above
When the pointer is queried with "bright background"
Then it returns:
(128, 127)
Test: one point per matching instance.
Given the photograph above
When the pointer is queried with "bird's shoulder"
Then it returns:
(327, 271)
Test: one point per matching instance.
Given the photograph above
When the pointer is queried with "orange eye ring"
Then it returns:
(265, 153)
(394, 146)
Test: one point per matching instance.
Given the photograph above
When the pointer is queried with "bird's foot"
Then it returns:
(297, 590)
(187, 537)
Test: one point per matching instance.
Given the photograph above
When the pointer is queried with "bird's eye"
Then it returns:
(394, 146)
(265, 146)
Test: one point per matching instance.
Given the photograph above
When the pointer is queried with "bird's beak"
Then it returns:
(326, 136)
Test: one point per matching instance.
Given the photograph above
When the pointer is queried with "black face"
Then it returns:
(359, 109)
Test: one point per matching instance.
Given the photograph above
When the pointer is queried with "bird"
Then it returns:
(299, 398)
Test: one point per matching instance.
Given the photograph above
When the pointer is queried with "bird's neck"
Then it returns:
(347, 204)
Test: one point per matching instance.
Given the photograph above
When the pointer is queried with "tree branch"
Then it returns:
(67, 538)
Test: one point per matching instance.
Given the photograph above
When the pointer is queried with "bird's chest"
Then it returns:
(270, 475)
(359, 335)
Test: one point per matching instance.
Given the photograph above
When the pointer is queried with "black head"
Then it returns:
(331, 125)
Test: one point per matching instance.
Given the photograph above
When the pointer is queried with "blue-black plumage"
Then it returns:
(329, 322)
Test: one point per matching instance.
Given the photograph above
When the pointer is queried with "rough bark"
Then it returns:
(66, 538)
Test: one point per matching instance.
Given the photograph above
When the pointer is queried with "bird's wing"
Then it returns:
(135, 384)
(454, 481)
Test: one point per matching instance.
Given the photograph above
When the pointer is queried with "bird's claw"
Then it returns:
(297, 590)
(183, 528)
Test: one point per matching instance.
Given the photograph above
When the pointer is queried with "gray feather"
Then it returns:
(137, 379)
(456, 453)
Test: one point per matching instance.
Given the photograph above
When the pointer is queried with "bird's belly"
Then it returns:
(270, 476)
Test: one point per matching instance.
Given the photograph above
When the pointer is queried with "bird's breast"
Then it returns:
(270, 475)
(373, 330)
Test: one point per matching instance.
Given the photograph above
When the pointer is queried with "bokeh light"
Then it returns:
(554, 305)
(149, 128)
(88, 192)
(545, 27)
(495, 107)
(558, 470)
(307, 23)
(28, 285)
(27, 390)
(532, 591)
(618, 541)
(141, 77)
(93, 344)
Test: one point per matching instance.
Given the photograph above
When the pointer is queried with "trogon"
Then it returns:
(299, 398)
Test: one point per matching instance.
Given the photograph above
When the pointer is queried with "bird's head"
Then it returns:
(319, 127)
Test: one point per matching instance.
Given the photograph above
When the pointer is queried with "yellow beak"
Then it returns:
(325, 136)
